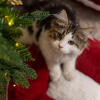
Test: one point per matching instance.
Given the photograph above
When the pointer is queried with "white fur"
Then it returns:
(55, 56)
(68, 84)
(81, 88)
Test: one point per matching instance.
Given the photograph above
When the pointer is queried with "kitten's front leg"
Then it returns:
(69, 71)
(54, 71)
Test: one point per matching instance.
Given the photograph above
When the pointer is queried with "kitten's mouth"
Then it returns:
(61, 50)
(64, 51)
(60, 47)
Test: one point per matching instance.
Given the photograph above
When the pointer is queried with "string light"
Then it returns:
(6, 16)
(10, 23)
(17, 44)
(14, 85)
(5, 74)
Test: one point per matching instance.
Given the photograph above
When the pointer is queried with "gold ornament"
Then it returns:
(15, 2)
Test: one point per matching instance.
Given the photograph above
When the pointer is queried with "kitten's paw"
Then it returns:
(54, 76)
(69, 75)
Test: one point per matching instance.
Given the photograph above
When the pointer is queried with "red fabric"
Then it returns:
(88, 63)
(95, 2)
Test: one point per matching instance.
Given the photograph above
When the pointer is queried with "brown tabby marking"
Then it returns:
(59, 29)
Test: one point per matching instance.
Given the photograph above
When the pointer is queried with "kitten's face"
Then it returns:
(65, 39)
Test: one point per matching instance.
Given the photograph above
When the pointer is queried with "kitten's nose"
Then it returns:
(60, 46)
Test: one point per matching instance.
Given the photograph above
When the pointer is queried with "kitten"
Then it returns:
(60, 40)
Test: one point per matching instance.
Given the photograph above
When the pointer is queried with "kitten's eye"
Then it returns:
(71, 42)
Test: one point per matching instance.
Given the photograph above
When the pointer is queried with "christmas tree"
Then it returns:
(13, 53)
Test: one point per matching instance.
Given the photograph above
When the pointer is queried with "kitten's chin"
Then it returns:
(63, 51)
(69, 52)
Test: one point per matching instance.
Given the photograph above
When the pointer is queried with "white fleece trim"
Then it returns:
(90, 4)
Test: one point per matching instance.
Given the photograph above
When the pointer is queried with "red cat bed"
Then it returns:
(88, 63)
(94, 4)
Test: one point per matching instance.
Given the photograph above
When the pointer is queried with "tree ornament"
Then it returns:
(15, 2)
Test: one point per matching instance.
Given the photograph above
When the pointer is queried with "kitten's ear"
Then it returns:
(63, 16)
(87, 32)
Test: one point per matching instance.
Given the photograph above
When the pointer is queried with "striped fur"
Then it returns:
(54, 9)
(56, 26)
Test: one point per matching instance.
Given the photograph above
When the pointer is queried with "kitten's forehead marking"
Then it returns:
(69, 36)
